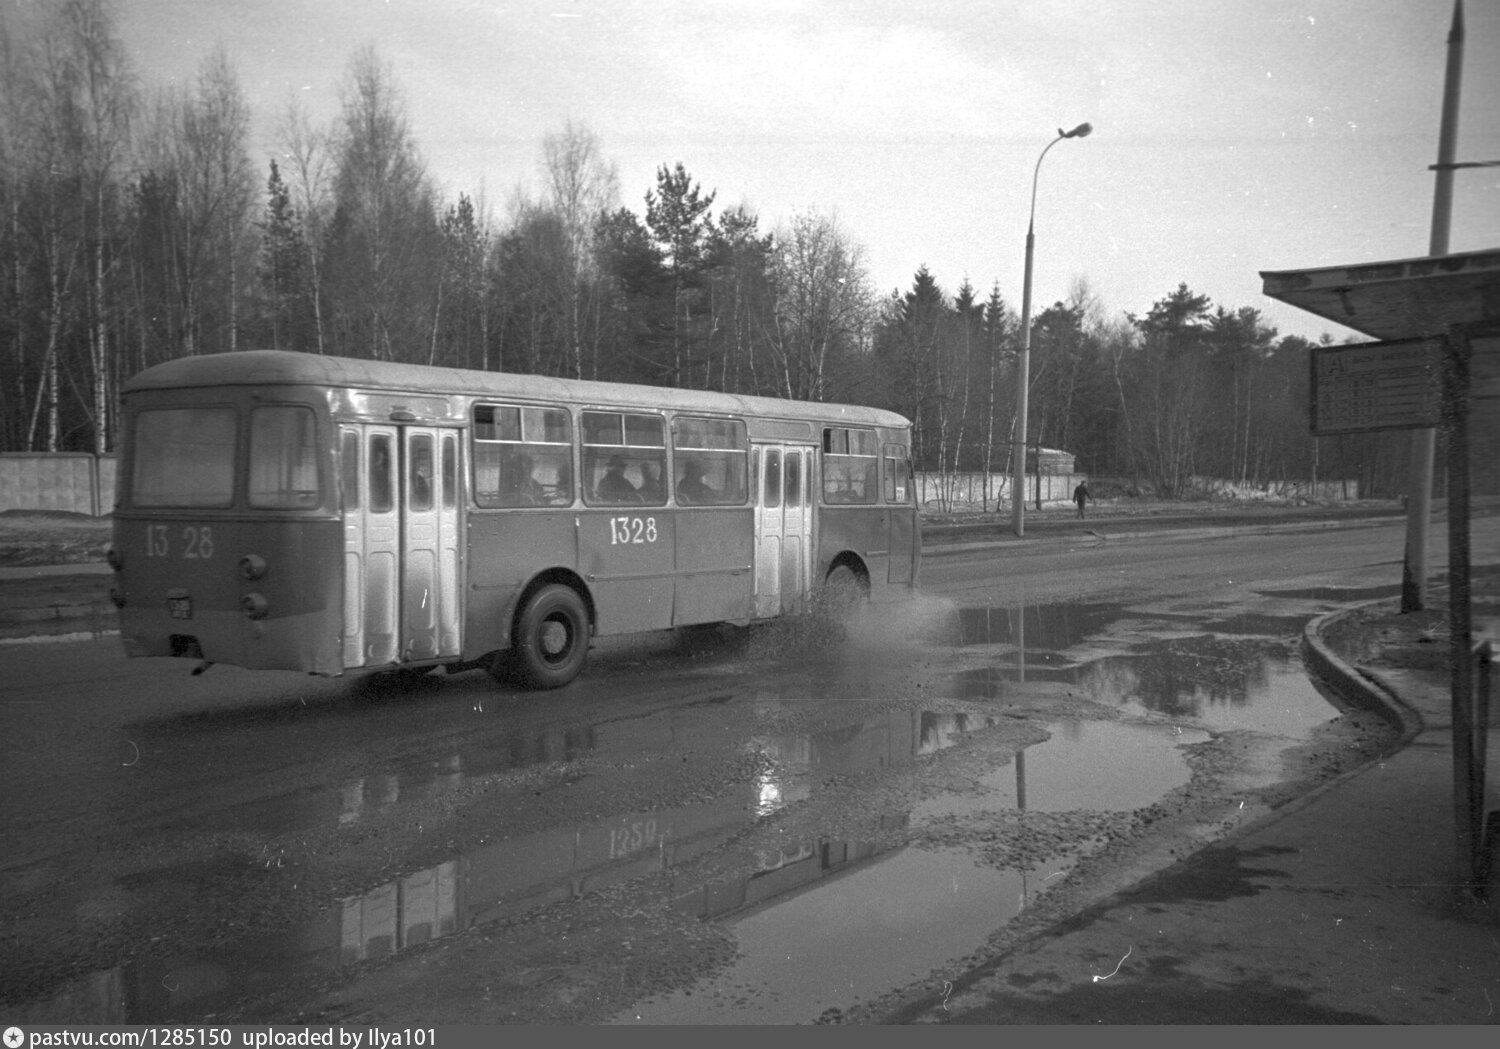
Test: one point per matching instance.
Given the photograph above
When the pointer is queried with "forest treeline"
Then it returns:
(142, 227)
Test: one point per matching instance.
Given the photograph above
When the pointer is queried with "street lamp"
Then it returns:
(1018, 452)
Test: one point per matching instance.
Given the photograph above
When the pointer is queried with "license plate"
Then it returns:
(180, 607)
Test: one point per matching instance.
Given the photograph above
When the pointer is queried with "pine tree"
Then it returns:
(678, 217)
(282, 260)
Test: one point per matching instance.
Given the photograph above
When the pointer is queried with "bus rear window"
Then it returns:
(183, 457)
(283, 458)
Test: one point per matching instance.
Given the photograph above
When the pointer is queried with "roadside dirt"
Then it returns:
(40, 537)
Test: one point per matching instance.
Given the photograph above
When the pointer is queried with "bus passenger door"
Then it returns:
(401, 528)
(783, 527)
(372, 544)
(429, 545)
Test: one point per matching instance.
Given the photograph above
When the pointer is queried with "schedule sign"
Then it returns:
(1375, 386)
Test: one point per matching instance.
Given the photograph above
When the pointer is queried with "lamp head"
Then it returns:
(1081, 131)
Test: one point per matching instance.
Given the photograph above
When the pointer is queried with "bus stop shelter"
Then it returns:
(1451, 303)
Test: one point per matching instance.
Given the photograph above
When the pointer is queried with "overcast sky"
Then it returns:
(1231, 136)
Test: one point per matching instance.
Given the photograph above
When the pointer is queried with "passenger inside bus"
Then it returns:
(691, 488)
(614, 486)
(526, 490)
(651, 489)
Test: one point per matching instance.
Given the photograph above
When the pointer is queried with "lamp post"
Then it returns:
(1018, 452)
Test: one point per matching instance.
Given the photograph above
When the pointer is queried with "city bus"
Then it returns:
(281, 510)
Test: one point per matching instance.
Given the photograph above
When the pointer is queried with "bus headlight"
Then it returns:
(252, 566)
(254, 606)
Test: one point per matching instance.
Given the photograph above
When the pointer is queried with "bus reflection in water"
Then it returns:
(290, 511)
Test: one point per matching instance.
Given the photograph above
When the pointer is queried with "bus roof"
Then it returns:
(285, 367)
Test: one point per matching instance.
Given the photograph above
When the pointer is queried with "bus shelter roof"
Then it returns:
(1400, 299)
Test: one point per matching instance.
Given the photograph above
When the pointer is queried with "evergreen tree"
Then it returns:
(282, 260)
(678, 217)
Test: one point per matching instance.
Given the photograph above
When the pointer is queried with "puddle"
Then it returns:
(1054, 626)
(1219, 683)
(1221, 688)
(881, 920)
(883, 924)
(360, 799)
(514, 875)
(880, 742)
(1097, 766)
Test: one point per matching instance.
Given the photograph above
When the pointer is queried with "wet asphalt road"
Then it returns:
(268, 822)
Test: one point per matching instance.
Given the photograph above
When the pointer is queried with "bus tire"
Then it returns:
(551, 637)
(844, 590)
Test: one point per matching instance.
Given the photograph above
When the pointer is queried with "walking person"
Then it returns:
(1081, 496)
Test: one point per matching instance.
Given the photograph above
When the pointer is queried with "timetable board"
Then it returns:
(1375, 386)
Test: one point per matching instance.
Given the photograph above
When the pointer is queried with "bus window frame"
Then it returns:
(836, 453)
(591, 453)
(235, 467)
(893, 456)
(316, 449)
(524, 496)
(682, 453)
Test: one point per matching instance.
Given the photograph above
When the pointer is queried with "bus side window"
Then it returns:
(522, 456)
(851, 460)
(708, 461)
(349, 469)
(897, 475)
(624, 459)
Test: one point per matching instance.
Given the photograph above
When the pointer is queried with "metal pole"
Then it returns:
(1423, 442)
(1023, 380)
(1023, 364)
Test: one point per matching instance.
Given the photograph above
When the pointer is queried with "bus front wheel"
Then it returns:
(552, 637)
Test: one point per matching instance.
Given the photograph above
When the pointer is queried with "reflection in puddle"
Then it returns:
(1053, 626)
(1221, 684)
(367, 796)
(881, 925)
(517, 874)
(880, 742)
(1098, 766)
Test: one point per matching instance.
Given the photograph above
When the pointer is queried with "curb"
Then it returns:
(1093, 538)
(1349, 684)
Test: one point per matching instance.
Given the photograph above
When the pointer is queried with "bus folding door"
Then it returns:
(401, 558)
(783, 527)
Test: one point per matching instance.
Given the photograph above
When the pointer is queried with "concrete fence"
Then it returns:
(969, 488)
(73, 481)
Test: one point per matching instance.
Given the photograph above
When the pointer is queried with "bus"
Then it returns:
(291, 511)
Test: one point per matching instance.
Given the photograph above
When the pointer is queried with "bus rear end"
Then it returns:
(228, 541)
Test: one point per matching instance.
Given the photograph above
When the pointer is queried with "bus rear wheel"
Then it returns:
(551, 637)
(844, 590)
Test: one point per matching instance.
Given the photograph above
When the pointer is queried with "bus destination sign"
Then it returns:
(1375, 386)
